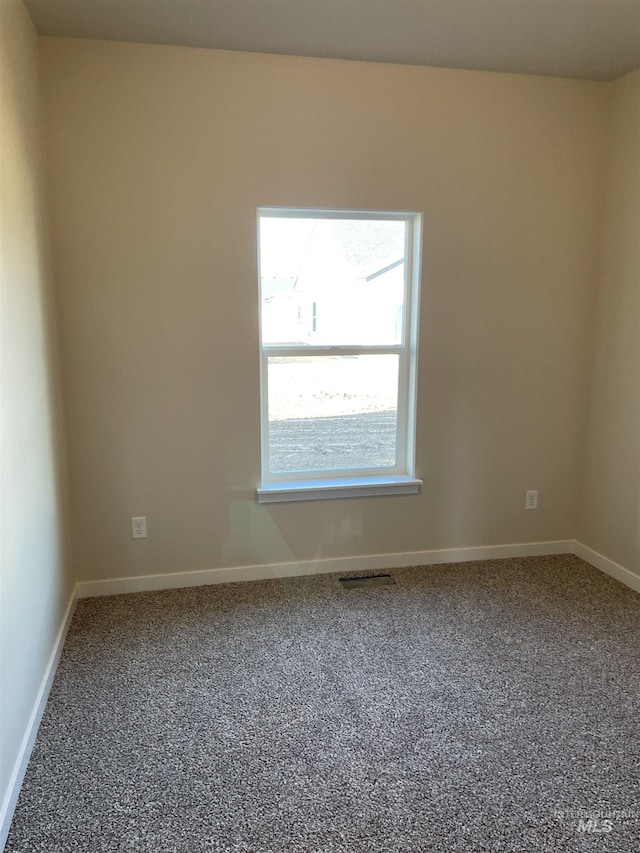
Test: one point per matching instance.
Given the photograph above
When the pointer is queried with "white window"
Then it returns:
(338, 347)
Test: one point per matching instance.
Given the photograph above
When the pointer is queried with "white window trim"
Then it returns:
(337, 487)
(399, 479)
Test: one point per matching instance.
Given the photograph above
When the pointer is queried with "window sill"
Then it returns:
(347, 487)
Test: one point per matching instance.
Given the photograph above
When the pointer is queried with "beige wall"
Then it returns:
(610, 518)
(158, 158)
(34, 587)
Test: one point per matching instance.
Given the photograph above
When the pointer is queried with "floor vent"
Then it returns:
(366, 582)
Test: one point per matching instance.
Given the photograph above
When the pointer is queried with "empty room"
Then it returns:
(320, 426)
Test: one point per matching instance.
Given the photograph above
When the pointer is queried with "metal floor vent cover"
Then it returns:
(366, 582)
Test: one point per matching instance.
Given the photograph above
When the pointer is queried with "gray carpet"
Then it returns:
(475, 707)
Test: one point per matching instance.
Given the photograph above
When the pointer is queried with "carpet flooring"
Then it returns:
(488, 706)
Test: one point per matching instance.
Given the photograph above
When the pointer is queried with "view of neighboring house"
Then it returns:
(332, 282)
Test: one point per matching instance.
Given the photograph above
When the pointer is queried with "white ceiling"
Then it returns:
(592, 39)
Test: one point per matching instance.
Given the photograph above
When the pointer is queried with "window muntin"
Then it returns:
(338, 322)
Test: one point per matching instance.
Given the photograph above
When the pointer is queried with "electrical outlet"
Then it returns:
(139, 527)
(531, 501)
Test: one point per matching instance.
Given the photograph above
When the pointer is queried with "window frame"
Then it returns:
(354, 482)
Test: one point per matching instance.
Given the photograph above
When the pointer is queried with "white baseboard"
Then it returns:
(370, 562)
(599, 561)
(20, 766)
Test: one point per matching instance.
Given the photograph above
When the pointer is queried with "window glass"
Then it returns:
(331, 413)
(332, 281)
